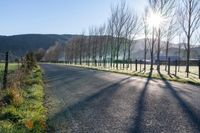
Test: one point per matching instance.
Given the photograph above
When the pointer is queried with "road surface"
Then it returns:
(83, 100)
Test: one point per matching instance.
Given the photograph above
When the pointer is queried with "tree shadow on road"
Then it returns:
(136, 126)
(75, 109)
(193, 117)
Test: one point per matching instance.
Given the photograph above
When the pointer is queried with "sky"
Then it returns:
(56, 16)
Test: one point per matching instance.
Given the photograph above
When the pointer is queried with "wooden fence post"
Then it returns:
(136, 65)
(131, 65)
(18, 63)
(176, 65)
(169, 66)
(5, 71)
(199, 69)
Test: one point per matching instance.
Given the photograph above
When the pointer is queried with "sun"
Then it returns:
(155, 20)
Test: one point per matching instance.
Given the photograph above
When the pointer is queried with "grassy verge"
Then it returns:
(163, 75)
(24, 111)
(11, 68)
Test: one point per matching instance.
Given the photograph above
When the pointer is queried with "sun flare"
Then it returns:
(155, 20)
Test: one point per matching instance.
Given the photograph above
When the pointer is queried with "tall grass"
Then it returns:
(24, 111)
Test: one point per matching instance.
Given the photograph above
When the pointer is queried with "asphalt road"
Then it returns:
(82, 100)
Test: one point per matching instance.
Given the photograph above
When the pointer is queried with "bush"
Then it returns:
(16, 96)
(29, 62)
(11, 116)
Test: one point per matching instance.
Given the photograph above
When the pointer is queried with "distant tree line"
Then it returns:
(113, 41)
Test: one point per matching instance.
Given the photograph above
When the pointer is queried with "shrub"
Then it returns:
(11, 116)
(15, 93)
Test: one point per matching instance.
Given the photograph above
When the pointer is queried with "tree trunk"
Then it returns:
(188, 56)
(166, 54)
(145, 53)
(124, 56)
(152, 50)
(158, 53)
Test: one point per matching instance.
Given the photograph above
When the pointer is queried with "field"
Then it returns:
(11, 68)
(180, 76)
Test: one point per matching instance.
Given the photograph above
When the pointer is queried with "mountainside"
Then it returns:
(20, 44)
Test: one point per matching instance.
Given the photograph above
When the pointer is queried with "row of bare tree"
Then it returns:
(113, 41)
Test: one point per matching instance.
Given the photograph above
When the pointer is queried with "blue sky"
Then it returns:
(55, 16)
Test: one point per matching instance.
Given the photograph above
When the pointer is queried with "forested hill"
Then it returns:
(20, 44)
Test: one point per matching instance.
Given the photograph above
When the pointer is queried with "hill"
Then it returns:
(20, 44)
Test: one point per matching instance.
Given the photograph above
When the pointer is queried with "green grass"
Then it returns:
(180, 77)
(30, 114)
(11, 68)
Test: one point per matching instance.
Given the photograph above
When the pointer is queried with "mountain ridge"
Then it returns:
(23, 43)
(20, 44)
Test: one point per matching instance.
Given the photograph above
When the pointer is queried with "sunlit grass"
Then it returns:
(11, 68)
(180, 77)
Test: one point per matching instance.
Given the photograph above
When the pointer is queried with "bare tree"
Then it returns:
(135, 28)
(53, 53)
(93, 33)
(95, 44)
(162, 8)
(101, 38)
(81, 45)
(111, 39)
(189, 19)
(106, 44)
(121, 11)
(89, 45)
(171, 32)
(69, 51)
(39, 54)
(127, 34)
(146, 32)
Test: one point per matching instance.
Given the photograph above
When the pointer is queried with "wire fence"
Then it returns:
(171, 68)
(8, 64)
